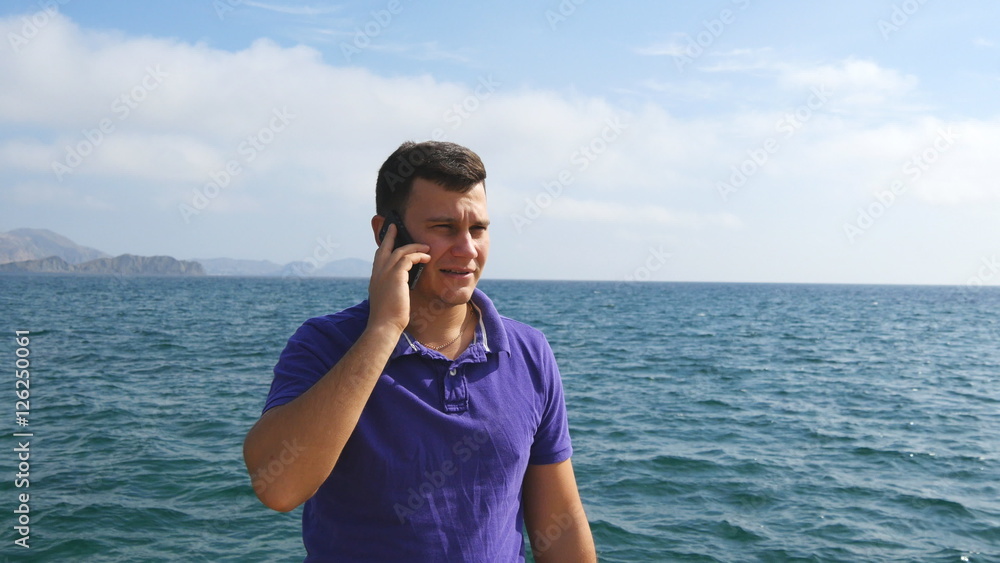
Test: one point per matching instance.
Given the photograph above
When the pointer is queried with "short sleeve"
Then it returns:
(552, 441)
(315, 347)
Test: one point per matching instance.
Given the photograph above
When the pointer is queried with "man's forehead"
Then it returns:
(428, 187)
(433, 199)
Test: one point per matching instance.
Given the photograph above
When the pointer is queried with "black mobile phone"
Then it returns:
(402, 238)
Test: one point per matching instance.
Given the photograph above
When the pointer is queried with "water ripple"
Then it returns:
(711, 422)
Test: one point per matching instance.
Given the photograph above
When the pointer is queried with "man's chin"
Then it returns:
(457, 296)
(454, 294)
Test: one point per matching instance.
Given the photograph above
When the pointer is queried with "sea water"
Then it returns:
(710, 422)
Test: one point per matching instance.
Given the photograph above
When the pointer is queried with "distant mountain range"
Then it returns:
(34, 244)
(126, 265)
(344, 268)
(43, 251)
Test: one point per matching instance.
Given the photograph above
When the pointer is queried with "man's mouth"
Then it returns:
(457, 271)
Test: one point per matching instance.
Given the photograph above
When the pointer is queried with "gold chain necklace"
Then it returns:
(461, 331)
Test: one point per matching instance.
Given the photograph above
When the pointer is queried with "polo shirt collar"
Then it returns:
(491, 336)
(490, 323)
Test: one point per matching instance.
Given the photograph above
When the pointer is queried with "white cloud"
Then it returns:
(422, 51)
(951, 164)
(652, 175)
(47, 194)
(673, 47)
(295, 10)
(612, 212)
(854, 82)
(753, 61)
(692, 89)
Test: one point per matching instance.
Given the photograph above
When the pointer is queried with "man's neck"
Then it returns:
(435, 322)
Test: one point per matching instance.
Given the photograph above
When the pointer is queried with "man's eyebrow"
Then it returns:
(445, 219)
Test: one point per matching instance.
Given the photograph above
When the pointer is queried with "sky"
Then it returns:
(720, 141)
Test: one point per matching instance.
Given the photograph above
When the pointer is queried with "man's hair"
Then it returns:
(452, 166)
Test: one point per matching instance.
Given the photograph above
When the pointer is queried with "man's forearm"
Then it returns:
(563, 537)
(293, 448)
(554, 517)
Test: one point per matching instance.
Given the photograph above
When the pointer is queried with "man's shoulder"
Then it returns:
(508, 331)
(521, 335)
(522, 329)
(348, 322)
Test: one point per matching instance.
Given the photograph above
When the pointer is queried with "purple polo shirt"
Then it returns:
(433, 471)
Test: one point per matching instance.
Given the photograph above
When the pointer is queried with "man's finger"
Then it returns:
(387, 240)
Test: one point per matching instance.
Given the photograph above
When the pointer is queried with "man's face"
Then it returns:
(454, 225)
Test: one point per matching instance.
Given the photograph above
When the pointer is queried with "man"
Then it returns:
(420, 425)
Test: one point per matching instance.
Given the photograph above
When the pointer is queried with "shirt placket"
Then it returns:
(456, 390)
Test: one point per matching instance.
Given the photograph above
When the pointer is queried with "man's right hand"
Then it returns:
(388, 289)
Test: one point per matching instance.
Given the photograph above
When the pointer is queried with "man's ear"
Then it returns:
(377, 222)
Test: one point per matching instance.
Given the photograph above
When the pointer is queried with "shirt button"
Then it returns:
(452, 372)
